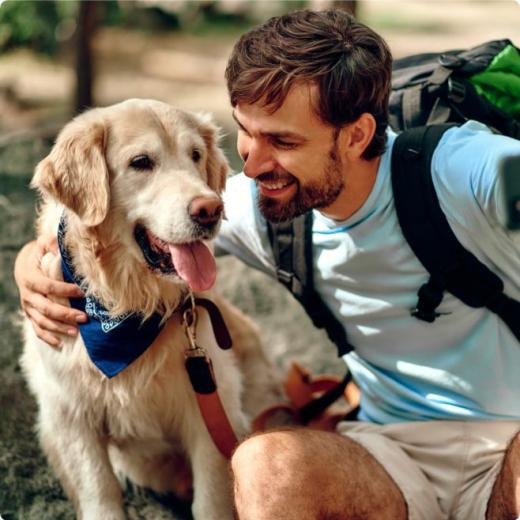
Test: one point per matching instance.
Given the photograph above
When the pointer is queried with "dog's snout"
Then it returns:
(206, 211)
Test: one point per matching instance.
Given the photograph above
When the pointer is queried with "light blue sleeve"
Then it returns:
(244, 231)
(469, 156)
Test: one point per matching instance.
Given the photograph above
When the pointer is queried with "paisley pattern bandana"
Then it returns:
(112, 342)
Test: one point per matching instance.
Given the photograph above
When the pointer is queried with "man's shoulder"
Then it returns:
(465, 169)
(475, 141)
(470, 154)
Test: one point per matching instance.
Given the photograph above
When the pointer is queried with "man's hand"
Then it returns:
(48, 318)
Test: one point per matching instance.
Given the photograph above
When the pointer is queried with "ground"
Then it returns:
(185, 70)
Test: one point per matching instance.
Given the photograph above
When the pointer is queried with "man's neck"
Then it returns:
(360, 178)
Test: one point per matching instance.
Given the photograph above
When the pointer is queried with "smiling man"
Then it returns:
(437, 433)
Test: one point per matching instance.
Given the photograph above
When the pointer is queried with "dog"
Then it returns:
(133, 193)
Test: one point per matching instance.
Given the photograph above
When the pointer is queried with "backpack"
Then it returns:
(428, 90)
(482, 83)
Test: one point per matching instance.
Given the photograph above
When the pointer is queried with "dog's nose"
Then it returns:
(206, 211)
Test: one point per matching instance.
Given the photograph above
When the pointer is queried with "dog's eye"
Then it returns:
(142, 162)
(196, 155)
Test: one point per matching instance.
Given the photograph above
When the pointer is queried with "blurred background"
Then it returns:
(58, 58)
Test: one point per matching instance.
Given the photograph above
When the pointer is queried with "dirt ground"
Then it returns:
(186, 70)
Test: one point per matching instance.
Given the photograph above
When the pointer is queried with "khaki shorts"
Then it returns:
(445, 469)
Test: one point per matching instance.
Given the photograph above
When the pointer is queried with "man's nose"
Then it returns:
(257, 160)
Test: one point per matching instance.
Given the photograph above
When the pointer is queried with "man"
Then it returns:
(437, 435)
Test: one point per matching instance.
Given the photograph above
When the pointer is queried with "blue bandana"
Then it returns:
(112, 342)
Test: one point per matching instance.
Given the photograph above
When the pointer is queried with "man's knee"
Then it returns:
(266, 483)
(324, 474)
(263, 458)
(293, 454)
(504, 502)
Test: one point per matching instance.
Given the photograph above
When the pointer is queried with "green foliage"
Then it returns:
(29, 24)
(41, 24)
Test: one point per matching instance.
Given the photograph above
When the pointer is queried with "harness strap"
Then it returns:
(201, 375)
(218, 324)
(312, 397)
(315, 407)
(202, 379)
(311, 400)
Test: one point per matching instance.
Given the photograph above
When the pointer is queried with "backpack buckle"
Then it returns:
(284, 276)
(430, 296)
(425, 315)
(456, 90)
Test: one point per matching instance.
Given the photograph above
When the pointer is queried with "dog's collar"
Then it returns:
(112, 342)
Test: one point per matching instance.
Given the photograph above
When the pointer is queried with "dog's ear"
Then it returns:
(217, 166)
(75, 173)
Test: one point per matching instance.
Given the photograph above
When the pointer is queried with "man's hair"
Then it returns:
(348, 61)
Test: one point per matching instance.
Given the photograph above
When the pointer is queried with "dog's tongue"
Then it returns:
(195, 264)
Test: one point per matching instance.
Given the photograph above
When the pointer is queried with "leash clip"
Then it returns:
(189, 319)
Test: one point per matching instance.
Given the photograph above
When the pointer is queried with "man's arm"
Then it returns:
(466, 174)
(47, 317)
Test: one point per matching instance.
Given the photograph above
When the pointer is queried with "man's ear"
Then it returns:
(356, 136)
(75, 172)
(217, 166)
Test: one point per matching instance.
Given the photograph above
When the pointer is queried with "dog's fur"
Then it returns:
(143, 424)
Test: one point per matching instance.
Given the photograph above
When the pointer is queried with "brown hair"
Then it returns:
(348, 61)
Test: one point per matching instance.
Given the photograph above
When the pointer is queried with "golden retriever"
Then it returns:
(138, 185)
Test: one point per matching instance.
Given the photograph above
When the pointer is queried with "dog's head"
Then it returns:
(147, 174)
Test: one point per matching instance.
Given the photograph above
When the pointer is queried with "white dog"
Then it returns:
(136, 189)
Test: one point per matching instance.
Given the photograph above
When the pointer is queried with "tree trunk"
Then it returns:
(87, 21)
(347, 5)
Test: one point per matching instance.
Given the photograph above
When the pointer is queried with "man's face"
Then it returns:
(291, 154)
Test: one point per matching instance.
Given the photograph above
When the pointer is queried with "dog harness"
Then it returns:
(112, 342)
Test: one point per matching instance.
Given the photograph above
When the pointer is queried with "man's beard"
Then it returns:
(312, 195)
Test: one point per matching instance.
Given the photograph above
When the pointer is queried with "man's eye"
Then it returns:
(283, 144)
(142, 162)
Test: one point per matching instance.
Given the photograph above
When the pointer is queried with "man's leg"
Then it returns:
(504, 503)
(306, 474)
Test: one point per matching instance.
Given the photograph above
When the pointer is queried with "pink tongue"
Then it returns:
(195, 264)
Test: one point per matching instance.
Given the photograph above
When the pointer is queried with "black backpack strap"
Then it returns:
(288, 241)
(425, 227)
(291, 243)
(414, 109)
